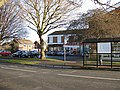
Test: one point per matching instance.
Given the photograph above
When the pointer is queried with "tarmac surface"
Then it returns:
(22, 77)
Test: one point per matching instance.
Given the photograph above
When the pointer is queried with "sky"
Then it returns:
(87, 5)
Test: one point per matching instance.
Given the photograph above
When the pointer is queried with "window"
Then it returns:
(24, 45)
(62, 39)
(71, 39)
(54, 39)
(48, 39)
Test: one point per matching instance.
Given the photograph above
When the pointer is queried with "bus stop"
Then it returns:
(102, 52)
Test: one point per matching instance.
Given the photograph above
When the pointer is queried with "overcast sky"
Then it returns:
(87, 5)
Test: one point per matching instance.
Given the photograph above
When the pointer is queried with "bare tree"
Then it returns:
(100, 22)
(103, 24)
(46, 15)
(11, 25)
(80, 23)
(106, 5)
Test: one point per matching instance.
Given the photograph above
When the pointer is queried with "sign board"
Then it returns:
(104, 47)
(2, 2)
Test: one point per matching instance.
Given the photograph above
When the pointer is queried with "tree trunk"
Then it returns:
(43, 45)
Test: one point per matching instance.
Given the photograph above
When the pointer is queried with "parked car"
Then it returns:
(61, 53)
(85, 55)
(33, 54)
(5, 53)
(20, 54)
(49, 53)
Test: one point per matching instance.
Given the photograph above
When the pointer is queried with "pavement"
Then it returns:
(73, 65)
(51, 64)
(60, 64)
(68, 65)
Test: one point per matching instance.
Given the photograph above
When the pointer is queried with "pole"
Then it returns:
(64, 54)
(111, 55)
(65, 41)
(97, 53)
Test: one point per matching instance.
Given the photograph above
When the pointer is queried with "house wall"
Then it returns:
(51, 39)
(55, 42)
(1, 47)
(26, 47)
(53, 45)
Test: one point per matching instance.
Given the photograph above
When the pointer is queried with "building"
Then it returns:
(68, 39)
(24, 44)
(0, 47)
(18, 44)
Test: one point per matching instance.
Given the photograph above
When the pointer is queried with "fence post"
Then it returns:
(111, 54)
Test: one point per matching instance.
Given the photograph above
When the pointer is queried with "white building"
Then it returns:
(70, 39)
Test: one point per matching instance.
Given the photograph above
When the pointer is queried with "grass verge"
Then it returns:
(20, 62)
(36, 61)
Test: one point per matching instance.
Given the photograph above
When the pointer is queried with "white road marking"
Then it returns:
(45, 72)
(13, 66)
(19, 69)
(89, 77)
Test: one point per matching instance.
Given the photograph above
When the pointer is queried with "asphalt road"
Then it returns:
(19, 77)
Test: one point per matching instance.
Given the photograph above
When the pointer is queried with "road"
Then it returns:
(19, 77)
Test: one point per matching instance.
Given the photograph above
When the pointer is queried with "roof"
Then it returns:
(24, 41)
(95, 40)
(63, 32)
